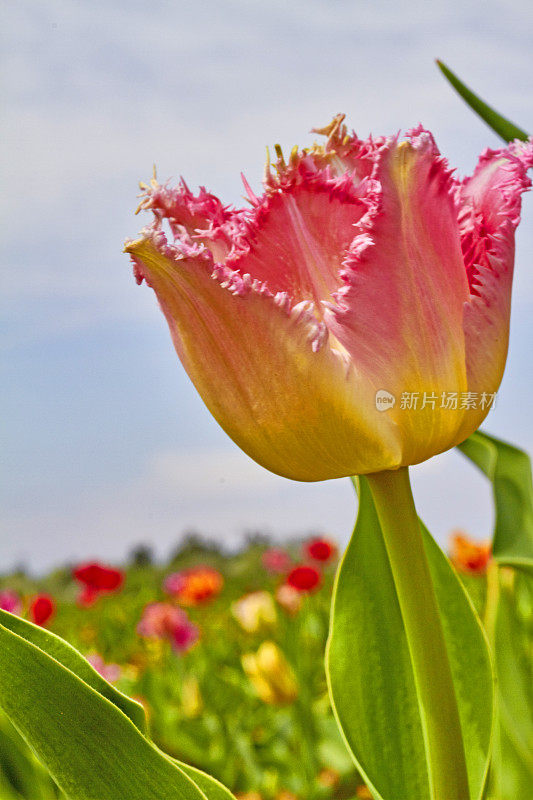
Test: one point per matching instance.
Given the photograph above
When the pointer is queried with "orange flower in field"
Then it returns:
(468, 555)
(195, 586)
(328, 778)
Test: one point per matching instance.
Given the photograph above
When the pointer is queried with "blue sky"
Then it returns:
(105, 441)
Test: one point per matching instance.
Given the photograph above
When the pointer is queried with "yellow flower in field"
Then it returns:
(255, 611)
(271, 674)
(191, 698)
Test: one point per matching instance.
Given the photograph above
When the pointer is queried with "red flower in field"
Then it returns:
(163, 621)
(320, 549)
(42, 609)
(468, 555)
(304, 578)
(194, 586)
(87, 597)
(10, 601)
(276, 560)
(98, 576)
(96, 579)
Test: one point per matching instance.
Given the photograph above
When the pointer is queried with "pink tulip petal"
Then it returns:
(490, 213)
(400, 313)
(297, 237)
(265, 369)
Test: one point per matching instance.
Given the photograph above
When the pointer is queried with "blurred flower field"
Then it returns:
(225, 653)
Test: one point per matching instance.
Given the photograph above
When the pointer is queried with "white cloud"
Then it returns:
(209, 473)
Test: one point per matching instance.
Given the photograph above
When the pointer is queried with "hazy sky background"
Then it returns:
(106, 443)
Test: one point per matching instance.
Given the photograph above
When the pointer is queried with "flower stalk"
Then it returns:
(441, 726)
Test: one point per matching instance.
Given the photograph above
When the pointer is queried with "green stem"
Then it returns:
(441, 726)
(489, 623)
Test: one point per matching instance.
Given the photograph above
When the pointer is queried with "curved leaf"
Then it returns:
(63, 652)
(370, 674)
(21, 775)
(91, 748)
(506, 129)
(515, 696)
(509, 470)
(213, 789)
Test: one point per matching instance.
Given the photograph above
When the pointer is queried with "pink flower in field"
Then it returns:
(276, 560)
(289, 598)
(111, 672)
(10, 601)
(42, 609)
(355, 318)
(165, 621)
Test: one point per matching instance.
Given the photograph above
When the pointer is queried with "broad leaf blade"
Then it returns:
(370, 674)
(63, 652)
(213, 789)
(69, 657)
(509, 470)
(90, 747)
(506, 129)
(515, 683)
(21, 775)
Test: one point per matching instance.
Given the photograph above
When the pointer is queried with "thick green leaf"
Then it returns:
(370, 674)
(213, 789)
(63, 652)
(503, 127)
(91, 748)
(515, 696)
(21, 775)
(509, 470)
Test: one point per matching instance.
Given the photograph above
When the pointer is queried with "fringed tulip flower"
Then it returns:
(355, 318)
